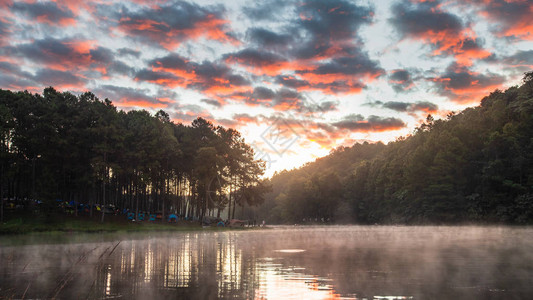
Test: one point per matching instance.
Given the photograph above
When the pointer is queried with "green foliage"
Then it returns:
(475, 166)
(79, 148)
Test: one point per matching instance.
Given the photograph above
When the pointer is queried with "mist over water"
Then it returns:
(334, 262)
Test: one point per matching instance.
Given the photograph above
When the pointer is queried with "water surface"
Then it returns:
(334, 262)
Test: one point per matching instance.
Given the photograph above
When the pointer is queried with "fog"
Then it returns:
(333, 262)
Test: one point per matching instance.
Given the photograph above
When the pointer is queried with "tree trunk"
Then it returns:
(136, 202)
(102, 206)
(2, 193)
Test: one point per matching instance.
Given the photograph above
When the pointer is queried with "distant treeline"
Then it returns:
(475, 166)
(79, 149)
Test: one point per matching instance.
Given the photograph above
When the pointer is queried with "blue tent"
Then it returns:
(173, 218)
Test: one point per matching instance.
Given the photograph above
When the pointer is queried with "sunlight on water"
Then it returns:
(290, 250)
(351, 262)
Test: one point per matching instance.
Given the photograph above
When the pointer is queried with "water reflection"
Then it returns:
(284, 263)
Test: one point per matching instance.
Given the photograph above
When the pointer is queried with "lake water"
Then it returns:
(334, 262)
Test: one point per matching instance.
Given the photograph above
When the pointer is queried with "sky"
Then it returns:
(296, 78)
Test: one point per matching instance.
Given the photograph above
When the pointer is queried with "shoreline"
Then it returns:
(27, 224)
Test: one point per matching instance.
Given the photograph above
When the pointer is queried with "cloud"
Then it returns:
(317, 48)
(344, 75)
(267, 39)
(188, 113)
(357, 123)
(126, 97)
(4, 32)
(171, 24)
(160, 78)
(520, 59)
(328, 27)
(213, 79)
(401, 80)
(259, 62)
(266, 10)
(59, 54)
(462, 85)
(59, 79)
(513, 18)
(45, 12)
(444, 31)
(246, 118)
(310, 107)
(282, 100)
(130, 52)
(212, 102)
(72, 55)
(13, 77)
(419, 106)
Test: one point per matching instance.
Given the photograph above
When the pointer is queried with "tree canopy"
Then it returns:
(473, 166)
(58, 146)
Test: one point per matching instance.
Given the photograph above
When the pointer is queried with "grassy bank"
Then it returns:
(24, 223)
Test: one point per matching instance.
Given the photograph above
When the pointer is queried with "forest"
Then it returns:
(58, 148)
(475, 166)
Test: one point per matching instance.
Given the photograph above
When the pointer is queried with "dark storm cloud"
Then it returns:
(357, 123)
(172, 23)
(47, 12)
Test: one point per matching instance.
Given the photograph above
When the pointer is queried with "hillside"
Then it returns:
(474, 166)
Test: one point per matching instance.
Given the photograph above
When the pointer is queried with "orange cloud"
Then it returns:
(465, 86)
(167, 25)
(138, 103)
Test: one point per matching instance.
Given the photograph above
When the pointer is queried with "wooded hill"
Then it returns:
(474, 166)
(58, 147)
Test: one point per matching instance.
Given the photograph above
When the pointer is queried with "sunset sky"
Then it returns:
(296, 78)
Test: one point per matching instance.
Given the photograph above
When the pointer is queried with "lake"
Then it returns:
(322, 262)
